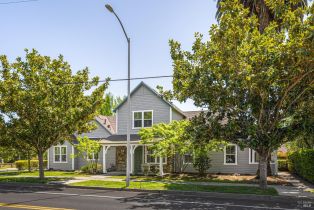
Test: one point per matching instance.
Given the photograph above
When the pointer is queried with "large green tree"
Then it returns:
(44, 102)
(109, 104)
(263, 10)
(178, 138)
(253, 83)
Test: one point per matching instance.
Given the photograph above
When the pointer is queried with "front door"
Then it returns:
(121, 158)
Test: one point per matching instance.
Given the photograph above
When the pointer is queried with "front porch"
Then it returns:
(115, 158)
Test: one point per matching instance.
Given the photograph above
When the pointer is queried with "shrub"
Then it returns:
(282, 155)
(282, 165)
(202, 163)
(302, 163)
(91, 168)
(23, 164)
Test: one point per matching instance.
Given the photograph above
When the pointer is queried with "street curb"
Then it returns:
(277, 198)
(204, 194)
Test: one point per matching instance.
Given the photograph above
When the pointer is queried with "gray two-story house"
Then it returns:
(148, 108)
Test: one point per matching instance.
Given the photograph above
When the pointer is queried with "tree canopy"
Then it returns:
(182, 137)
(109, 104)
(264, 10)
(254, 82)
(44, 102)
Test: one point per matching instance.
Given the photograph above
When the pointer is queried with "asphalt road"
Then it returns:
(54, 198)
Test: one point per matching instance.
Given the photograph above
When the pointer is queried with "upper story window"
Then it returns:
(230, 154)
(142, 119)
(60, 154)
(254, 157)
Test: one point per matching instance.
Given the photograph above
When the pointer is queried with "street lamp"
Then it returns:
(128, 153)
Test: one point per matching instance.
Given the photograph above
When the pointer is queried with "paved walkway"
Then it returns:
(299, 187)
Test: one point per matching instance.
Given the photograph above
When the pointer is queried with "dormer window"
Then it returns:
(142, 119)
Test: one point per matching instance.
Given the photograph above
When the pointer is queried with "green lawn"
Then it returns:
(47, 173)
(311, 191)
(249, 179)
(176, 186)
(10, 179)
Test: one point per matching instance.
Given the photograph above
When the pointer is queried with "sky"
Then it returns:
(87, 35)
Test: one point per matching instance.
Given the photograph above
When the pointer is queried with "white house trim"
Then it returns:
(152, 111)
(73, 158)
(53, 158)
(251, 151)
(117, 121)
(236, 155)
(154, 163)
(170, 114)
(104, 153)
(48, 161)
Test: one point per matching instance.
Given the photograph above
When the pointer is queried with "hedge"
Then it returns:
(23, 164)
(282, 165)
(302, 164)
(90, 168)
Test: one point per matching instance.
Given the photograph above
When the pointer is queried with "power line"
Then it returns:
(118, 80)
(17, 2)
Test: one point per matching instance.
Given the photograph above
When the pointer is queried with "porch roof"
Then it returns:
(121, 139)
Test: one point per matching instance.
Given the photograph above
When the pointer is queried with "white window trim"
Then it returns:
(236, 155)
(184, 158)
(93, 154)
(155, 163)
(152, 111)
(66, 154)
(117, 121)
(250, 157)
(170, 115)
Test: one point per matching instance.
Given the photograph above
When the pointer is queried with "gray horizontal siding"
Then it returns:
(143, 99)
(242, 167)
(176, 115)
(99, 132)
(110, 159)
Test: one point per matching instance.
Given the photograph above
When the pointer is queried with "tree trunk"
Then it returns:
(263, 171)
(269, 172)
(28, 161)
(264, 16)
(41, 165)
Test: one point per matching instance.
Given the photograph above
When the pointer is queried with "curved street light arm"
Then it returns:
(126, 35)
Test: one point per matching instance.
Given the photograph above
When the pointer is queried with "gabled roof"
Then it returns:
(153, 91)
(190, 114)
(105, 123)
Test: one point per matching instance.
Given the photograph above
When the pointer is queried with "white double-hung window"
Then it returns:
(149, 158)
(92, 156)
(230, 154)
(142, 119)
(187, 158)
(60, 154)
(253, 156)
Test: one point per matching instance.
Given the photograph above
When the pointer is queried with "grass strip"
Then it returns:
(179, 187)
(6, 179)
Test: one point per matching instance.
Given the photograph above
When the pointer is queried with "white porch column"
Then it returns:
(48, 166)
(73, 158)
(161, 167)
(104, 152)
